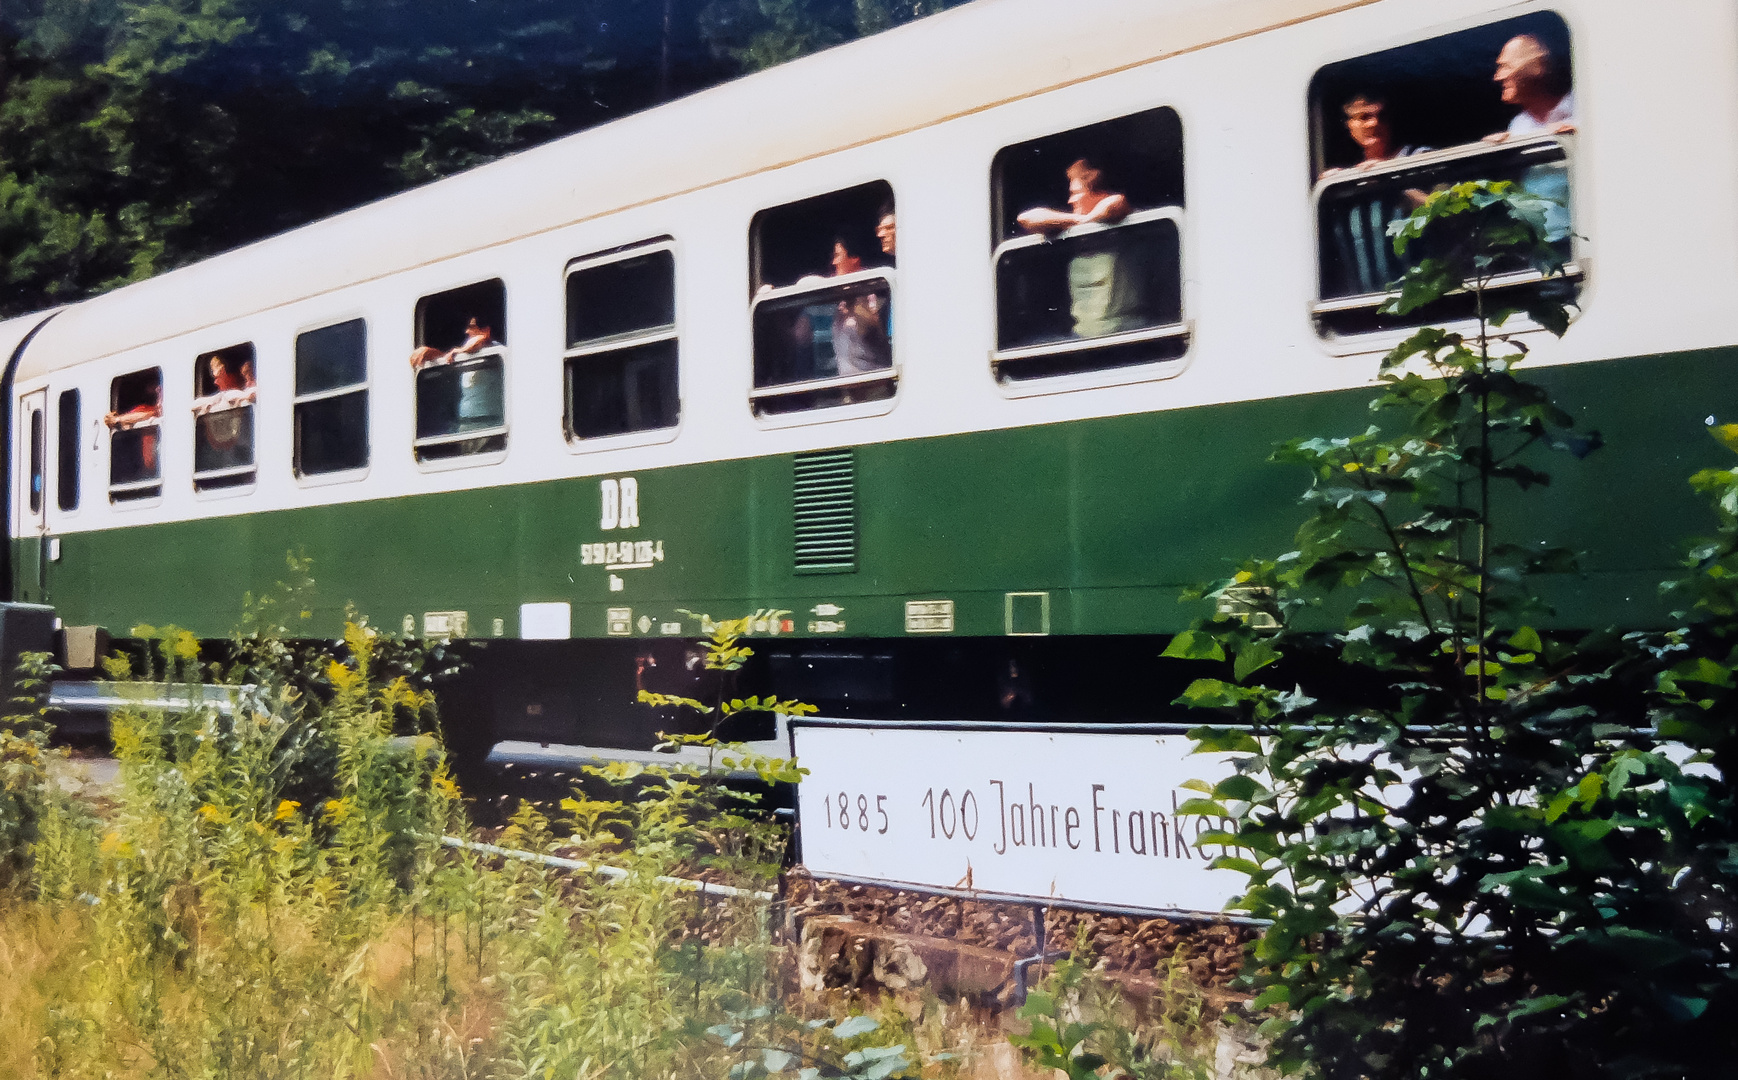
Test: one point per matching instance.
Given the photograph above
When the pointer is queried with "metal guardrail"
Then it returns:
(614, 873)
(106, 697)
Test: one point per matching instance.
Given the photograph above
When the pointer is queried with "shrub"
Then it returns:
(1486, 849)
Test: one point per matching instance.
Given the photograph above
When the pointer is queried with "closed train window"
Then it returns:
(1088, 248)
(223, 418)
(134, 421)
(38, 459)
(331, 405)
(461, 348)
(621, 344)
(67, 437)
(1492, 103)
(822, 277)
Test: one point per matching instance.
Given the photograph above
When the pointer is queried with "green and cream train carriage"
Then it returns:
(982, 506)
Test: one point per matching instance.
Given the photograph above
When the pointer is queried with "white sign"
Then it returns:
(1064, 816)
(546, 622)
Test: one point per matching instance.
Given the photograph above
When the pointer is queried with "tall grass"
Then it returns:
(265, 894)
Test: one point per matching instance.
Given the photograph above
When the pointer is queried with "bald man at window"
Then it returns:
(1532, 79)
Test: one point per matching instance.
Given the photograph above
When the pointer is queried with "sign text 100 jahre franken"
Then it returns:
(1091, 817)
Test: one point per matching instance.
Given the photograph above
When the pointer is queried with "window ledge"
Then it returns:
(825, 414)
(1156, 371)
(1173, 214)
(626, 440)
(1526, 144)
(135, 504)
(342, 476)
(463, 461)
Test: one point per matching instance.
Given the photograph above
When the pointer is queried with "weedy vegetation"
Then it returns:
(266, 892)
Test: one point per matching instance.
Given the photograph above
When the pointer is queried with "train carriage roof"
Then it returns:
(964, 59)
(14, 331)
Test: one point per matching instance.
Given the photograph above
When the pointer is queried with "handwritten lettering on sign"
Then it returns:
(1087, 817)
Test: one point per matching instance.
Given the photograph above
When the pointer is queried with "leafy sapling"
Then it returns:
(1440, 805)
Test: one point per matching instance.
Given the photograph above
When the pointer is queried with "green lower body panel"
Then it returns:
(1084, 528)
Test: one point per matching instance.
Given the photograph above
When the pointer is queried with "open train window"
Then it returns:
(822, 281)
(331, 405)
(1088, 248)
(1495, 102)
(461, 348)
(223, 418)
(134, 421)
(621, 343)
(67, 436)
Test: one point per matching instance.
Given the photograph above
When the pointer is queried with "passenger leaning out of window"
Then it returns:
(234, 386)
(1368, 122)
(1104, 283)
(887, 231)
(860, 341)
(477, 338)
(1532, 79)
(145, 413)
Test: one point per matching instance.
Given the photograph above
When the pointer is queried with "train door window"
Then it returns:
(1088, 249)
(1495, 102)
(134, 421)
(223, 418)
(331, 406)
(621, 344)
(461, 348)
(822, 278)
(38, 462)
(67, 438)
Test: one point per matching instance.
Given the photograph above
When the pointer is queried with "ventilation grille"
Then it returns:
(824, 506)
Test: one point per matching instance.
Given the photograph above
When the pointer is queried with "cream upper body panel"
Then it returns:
(970, 58)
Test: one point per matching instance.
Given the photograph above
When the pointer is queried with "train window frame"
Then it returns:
(430, 452)
(1006, 242)
(822, 291)
(37, 470)
(144, 491)
(69, 447)
(298, 400)
(1547, 147)
(603, 346)
(208, 402)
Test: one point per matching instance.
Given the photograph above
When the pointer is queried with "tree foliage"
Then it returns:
(138, 135)
(1487, 848)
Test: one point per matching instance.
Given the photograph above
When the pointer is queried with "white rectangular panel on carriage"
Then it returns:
(1066, 817)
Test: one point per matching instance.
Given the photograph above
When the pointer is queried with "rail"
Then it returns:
(614, 873)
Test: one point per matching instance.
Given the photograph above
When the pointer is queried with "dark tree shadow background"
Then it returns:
(139, 135)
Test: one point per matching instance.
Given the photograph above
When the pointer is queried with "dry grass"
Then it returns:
(36, 946)
(436, 1020)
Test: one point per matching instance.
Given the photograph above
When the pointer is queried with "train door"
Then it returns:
(30, 569)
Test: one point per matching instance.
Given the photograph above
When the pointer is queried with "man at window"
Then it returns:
(232, 387)
(1531, 79)
(1367, 122)
(1360, 230)
(1103, 283)
(887, 232)
(145, 414)
(477, 338)
(860, 342)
